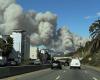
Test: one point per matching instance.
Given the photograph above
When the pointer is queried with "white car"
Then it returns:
(37, 62)
(75, 63)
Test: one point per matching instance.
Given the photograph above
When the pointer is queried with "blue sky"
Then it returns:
(76, 14)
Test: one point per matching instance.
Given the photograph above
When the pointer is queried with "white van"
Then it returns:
(75, 63)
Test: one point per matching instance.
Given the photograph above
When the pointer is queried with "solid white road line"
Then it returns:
(95, 78)
(57, 77)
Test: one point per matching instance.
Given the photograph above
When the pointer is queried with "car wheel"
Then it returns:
(60, 68)
(79, 67)
(51, 67)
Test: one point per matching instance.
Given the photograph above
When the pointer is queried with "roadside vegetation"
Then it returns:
(91, 51)
(6, 46)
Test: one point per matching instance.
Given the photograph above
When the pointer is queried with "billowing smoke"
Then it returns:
(9, 14)
(79, 41)
(46, 31)
(5, 3)
(69, 41)
(35, 39)
(41, 27)
(47, 17)
(46, 28)
(66, 37)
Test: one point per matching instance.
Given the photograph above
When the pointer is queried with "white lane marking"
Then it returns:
(86, 72)
(95, 78)
(64, 71)
(57, 77)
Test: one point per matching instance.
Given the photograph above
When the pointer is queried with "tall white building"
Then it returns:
(21, 45)
(33, 52)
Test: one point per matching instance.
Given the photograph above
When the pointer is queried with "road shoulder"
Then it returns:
(93, 67)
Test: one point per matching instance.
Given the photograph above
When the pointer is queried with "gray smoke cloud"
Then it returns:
(79, 41)
(66, 37)
(46, 31)
(11, 16)
(47, 17)
(35, 39)
(69, 41)
(41, 27)
(5, 3)
(46, 27)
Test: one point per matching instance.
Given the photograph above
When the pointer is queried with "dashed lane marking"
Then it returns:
(86, 71)
(95, 78)
(57, 77)
(64, 71)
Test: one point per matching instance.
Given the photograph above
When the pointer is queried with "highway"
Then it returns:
(64, 74)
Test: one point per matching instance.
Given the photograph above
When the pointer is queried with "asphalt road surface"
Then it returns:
(64, 74)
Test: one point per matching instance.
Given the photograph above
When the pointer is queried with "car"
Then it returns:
(37, 62)
(3, 61)
(56, 64)
(75, 63)
(66, 63)
(11, 62)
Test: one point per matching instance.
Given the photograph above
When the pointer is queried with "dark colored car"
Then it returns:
(67, 63)
(56, 64)
(11, 62)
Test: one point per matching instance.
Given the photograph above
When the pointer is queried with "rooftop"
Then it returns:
(18, 30)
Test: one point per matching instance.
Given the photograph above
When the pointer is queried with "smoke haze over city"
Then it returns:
(41, 27)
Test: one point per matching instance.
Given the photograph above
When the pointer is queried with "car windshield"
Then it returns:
(75, 60)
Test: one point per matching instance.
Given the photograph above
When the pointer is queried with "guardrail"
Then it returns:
(16, 70)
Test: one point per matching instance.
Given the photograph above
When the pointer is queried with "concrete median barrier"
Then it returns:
(16, 70)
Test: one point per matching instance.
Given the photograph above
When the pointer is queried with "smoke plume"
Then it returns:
(41, 27)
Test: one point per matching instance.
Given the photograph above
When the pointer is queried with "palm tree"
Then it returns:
(92, 47)
(95, 35)
(95, 29)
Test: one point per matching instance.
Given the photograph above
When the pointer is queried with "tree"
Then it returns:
(3, 46)
(94, 30)
(6, 46)
(39, 54)
(9, 45)
(48, 55)
(92, 48)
